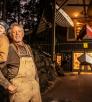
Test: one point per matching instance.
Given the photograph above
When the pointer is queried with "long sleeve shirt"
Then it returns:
(4, 46)
(12, 65)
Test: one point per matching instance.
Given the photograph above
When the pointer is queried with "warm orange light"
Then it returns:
(76, 14)
(78, 23)
(79, 28)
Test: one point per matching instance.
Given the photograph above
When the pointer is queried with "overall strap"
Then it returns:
(28, 48)
(15, 48)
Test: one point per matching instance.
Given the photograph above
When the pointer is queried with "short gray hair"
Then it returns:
(4, 24)
(13, 25)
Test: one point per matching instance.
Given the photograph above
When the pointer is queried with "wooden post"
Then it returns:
(53, 32)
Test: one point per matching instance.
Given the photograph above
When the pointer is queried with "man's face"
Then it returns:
(17, 34)
(2, 29)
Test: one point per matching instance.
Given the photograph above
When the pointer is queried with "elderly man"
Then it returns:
(21, 76)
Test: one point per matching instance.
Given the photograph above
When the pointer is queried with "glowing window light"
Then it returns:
(85, 45)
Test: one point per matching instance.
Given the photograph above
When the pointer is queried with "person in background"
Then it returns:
(4, 46)
(21, 79)
(4, 43)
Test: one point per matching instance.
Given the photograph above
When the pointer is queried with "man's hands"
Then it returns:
(12, 89)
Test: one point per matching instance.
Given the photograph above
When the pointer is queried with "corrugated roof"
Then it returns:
(75, 9)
